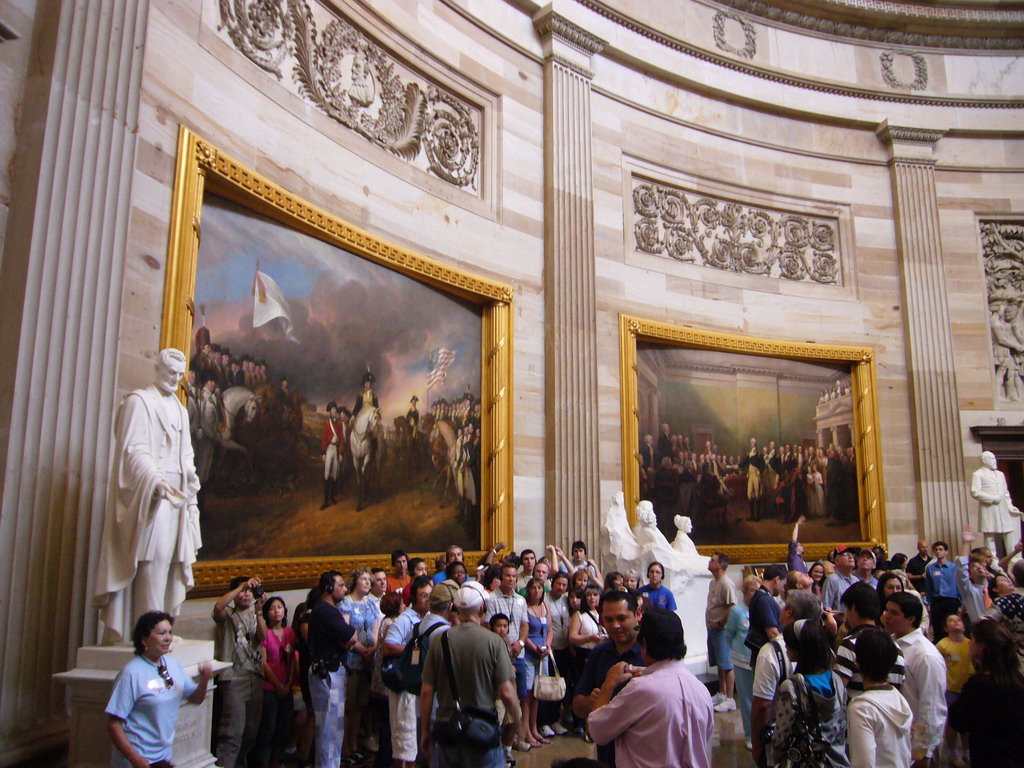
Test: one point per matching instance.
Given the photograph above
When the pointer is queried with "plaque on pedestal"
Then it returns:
(91, 682)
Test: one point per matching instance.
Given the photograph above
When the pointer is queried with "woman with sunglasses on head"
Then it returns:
(147, 694)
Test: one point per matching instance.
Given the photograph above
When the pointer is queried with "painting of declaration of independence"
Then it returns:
(746, 445)
(334, 403)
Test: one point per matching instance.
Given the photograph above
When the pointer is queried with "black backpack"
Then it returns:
(399, 673)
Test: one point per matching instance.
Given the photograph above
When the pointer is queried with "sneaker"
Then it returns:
(748, 745)
(546, 732)
(519, 745)
(728, 705)
(578, 731)
(559, 730)
(508, 755)
(717, 699)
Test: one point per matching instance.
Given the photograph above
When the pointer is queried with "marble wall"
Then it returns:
(674, 93)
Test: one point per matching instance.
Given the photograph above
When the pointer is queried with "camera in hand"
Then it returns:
(257, 592)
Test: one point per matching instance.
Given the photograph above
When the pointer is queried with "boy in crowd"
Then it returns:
(955, 650)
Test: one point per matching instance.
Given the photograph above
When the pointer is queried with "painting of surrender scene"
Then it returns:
(746, 445)
(334, 403)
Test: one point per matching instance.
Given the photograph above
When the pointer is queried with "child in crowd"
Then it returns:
(879, 718)
(955, 650)
(499, 626)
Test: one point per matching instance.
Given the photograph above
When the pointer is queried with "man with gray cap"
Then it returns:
(483, 673)
(663, 716)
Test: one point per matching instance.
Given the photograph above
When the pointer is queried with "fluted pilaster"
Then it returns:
(572, 474)
(62, 280)
(937, 448)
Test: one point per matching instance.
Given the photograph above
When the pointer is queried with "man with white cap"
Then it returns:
(483, 673)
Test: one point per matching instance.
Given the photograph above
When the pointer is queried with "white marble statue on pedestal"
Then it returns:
(996, 512)
(151, 527)
(686, 571)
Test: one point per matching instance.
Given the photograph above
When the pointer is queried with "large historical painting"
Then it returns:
(745, 444)
(338, 400)
(347, 396)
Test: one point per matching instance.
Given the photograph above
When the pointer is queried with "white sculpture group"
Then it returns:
(634, 549)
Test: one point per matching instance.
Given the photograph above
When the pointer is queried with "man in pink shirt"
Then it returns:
(663, 716)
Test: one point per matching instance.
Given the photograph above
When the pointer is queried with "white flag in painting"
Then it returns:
(269, 304)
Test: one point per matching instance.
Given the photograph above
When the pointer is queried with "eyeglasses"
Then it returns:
(166, 676)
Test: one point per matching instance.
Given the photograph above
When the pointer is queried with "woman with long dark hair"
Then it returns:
(814, 694)
(991, 705)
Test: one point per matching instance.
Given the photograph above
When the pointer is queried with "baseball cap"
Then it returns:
(441, 594)
(469, 596)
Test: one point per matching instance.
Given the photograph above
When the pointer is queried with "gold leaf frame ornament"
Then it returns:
(202, 167)
(861, 362)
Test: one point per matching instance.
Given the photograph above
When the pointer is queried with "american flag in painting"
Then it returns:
(437, 363)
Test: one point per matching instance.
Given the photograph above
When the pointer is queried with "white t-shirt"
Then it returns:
(767, 673)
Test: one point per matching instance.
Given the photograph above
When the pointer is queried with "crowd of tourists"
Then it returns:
(854, 660)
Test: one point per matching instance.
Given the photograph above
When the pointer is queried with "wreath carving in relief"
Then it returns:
(749, 35)
(700, 229)
(920, 81)
(356, 83)
(1002, 244)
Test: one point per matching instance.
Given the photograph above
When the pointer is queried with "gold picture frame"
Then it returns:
(201, 167)
(860, 361)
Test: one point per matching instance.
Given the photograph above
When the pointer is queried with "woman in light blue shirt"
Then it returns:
(736, 628)
(147, 695)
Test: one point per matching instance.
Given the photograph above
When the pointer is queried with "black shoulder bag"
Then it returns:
(472, 726)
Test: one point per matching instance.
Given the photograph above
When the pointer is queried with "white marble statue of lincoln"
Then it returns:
(151, 526)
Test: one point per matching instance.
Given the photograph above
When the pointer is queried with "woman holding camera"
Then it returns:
(147, 695)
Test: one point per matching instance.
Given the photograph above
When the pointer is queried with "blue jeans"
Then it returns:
(745, 694)
(329, 707)
(522, 675)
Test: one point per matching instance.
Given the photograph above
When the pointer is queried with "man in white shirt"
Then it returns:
(925, 685)
(504, 600)
(773, 666)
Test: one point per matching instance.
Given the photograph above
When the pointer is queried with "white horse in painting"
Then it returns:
(361, 440)
(239, 403)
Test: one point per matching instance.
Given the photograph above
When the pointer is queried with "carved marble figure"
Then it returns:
(151, 527)
(996, 512)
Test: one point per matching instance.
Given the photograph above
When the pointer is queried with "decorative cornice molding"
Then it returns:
(944, 19)
(688, 49)
(551, 24)
(899, 134)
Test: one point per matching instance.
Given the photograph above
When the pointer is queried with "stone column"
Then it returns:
(61, 276)
(572, 483)
(929, 340)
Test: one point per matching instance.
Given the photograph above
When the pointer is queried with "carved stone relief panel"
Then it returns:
(691, 226)
(1002, 244)
(320, 55)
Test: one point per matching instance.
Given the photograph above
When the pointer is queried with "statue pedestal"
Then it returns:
(91, 682)
(691, 601)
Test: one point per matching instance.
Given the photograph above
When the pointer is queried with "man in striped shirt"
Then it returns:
(862, 610)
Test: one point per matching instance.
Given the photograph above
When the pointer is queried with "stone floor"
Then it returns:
(727, 750)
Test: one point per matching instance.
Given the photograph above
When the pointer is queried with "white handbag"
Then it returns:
(550, 687)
